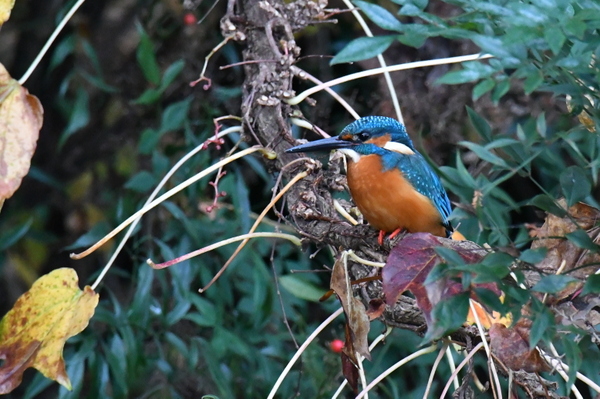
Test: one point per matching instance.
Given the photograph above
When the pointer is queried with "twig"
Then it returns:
(452, 366)
(296, 178)
(299, 352)
(343, 212)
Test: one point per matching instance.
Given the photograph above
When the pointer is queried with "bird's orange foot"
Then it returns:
(392, 235)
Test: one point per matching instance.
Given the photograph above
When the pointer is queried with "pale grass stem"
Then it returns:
(50, 40)
(392, 68)
(303, 74)
(436, 363)
(396, 366)
(294, 180)
(300, 350)
(154, 193)
(358, 259)
(222, 243)
(165, 196)
(338, 207)
(452, 365)
(460, 366)
(386, 74)
(375, 342)
(491, 365)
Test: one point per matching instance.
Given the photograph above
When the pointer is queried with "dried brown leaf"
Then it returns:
(21, 117)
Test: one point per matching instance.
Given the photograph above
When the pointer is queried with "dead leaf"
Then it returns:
(376, 308)
(561, 250)
(356, 315)
(34, 331)
(511, 347)
(21, 117)
(5, 7)
(349, 363)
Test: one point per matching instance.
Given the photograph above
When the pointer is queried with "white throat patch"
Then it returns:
(353, 155)
(398, 147)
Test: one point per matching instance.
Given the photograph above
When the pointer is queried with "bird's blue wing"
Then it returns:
(424, 179)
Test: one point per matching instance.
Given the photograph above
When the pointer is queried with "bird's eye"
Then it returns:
(363, 136)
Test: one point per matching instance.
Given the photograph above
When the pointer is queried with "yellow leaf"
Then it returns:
(5, 7)
(34, 331)
(21, 117)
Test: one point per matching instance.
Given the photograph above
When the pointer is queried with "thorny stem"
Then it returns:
(401, 67)
(222, 243)
(165, 196)
(299, 352)
(296, 178)
(154, 193)
(49, 42)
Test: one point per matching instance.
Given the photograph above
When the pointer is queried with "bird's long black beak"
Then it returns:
(331, 143)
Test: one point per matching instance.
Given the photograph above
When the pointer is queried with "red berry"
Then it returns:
(336, 345)
(189, 18)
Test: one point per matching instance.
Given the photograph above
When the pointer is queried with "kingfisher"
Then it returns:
(390, 181)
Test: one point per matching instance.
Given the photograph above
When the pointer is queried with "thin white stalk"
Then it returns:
(491, 364)
(375, 342)
(165, 196)
(452, 366)
(338, 207)
(303, 74)
(154, 193)
(358, 259)
(396, 366)
(392, 68)
(386, 74)
(295, 240)
(438, 359)
(49, 42)
(300, 350)
(460, 366)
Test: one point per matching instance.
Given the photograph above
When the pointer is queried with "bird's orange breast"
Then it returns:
(388, 201)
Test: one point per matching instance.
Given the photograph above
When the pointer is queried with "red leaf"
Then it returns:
(511, 346)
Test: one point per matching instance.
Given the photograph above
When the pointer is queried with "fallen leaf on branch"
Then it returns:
(21, 117)
(33, 333)
(566, 246)
(511, 347)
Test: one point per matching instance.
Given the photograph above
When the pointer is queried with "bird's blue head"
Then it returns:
(364, 136)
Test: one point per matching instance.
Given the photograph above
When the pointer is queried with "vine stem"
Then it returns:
(49, 42)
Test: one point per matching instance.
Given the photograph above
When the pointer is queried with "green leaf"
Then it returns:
(546, 203)
(582, 240)
(146, 58)
(450, 256)
(500, 90)
(574, 358)
(175, 115)
(553, 283)
(412, 39)
(458, 77)
(98, 231)
(533, 256)
(554, 37)
(363, 48)
(491, 299)
(484, 154)
(448, 315)
(575, 184)
(532, 82)
(141, 182)
(540, 124)
(79, 116)
(301, 288)
(379, 15)
(542, 323)
(592, 285)
(480, 124)
(483, 87)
